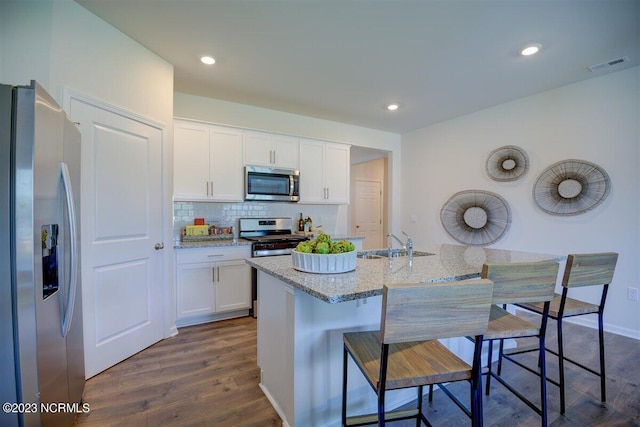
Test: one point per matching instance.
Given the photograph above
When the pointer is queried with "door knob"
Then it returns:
(159, 246)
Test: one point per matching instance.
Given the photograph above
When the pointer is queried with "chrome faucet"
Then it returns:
(408, 246)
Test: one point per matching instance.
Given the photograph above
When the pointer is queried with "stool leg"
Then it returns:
(500, 355)
(603, 385)
(543, 381)
(476, 386)
(419, 416)
(561, 365)
(381, 420)
(344, 387)
(487, 383)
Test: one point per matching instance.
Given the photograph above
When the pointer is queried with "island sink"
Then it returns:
(384, 253)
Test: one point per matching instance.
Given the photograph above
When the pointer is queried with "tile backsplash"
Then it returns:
(331, 217)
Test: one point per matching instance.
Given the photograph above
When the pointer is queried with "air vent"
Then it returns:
(604, 65)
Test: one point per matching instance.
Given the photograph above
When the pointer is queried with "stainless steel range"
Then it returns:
(269, 237)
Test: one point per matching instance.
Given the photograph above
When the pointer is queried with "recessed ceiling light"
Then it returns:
(529, 50)
(208, 60)
(392, 107)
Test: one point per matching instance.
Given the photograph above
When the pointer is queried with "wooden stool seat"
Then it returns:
(410, 364)
(503, 324)
(572, 307)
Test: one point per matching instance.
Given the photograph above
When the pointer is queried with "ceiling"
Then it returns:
(345, 60)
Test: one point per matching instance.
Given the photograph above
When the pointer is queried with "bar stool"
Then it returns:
(517, 283)
(405, 352)
(581, 270)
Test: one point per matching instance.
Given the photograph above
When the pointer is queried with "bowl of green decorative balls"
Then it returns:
(322, 255)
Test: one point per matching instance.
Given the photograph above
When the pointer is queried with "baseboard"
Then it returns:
(592, 323)
(198, 320)
(276, 407)
(173, 331)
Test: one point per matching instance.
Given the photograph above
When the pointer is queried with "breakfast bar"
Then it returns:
(302, 316)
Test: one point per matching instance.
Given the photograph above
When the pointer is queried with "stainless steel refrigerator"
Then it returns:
(41, 347)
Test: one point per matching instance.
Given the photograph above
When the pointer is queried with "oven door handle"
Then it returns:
(271, 252)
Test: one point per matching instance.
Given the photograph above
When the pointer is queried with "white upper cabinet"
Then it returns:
(225, 163)
(207, 162)
(190, 160)
(265, 149)
(324, 172)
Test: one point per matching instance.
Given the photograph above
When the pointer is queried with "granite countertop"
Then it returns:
(229, 242)
(315, 234)
(210, 243)
(448, 263)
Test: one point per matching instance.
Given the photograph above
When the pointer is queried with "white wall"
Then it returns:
(62, 45)
(595, 120)
(229, 113)
(25, 42)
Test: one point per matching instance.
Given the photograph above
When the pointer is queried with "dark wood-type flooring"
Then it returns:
(207, 376)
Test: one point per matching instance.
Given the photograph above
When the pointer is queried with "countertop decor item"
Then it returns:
(476, 217)
(508, 163)
(571, 187)
(322, 255)
(324, 263)
(207, 238)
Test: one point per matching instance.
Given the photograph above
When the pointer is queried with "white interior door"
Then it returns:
(368, 213)
(121, 204)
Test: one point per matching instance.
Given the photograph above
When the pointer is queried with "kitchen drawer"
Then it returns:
(226, 253)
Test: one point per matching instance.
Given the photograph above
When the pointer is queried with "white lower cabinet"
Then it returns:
(232, 285)
(212, 284)
(196, 295)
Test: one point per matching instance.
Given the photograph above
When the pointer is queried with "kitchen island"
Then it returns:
(302, 316)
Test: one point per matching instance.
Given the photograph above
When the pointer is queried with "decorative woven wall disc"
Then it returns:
(476, 217)
(571, 187)
(507, 163)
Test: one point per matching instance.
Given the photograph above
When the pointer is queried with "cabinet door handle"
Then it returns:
(211, 188)
(213, 275)
(215, 255)
(274, 157)
(218, 274)
(327, 193)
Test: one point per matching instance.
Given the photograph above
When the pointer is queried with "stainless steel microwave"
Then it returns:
(271, 184)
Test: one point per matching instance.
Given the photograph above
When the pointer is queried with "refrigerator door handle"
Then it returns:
(73, 267)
